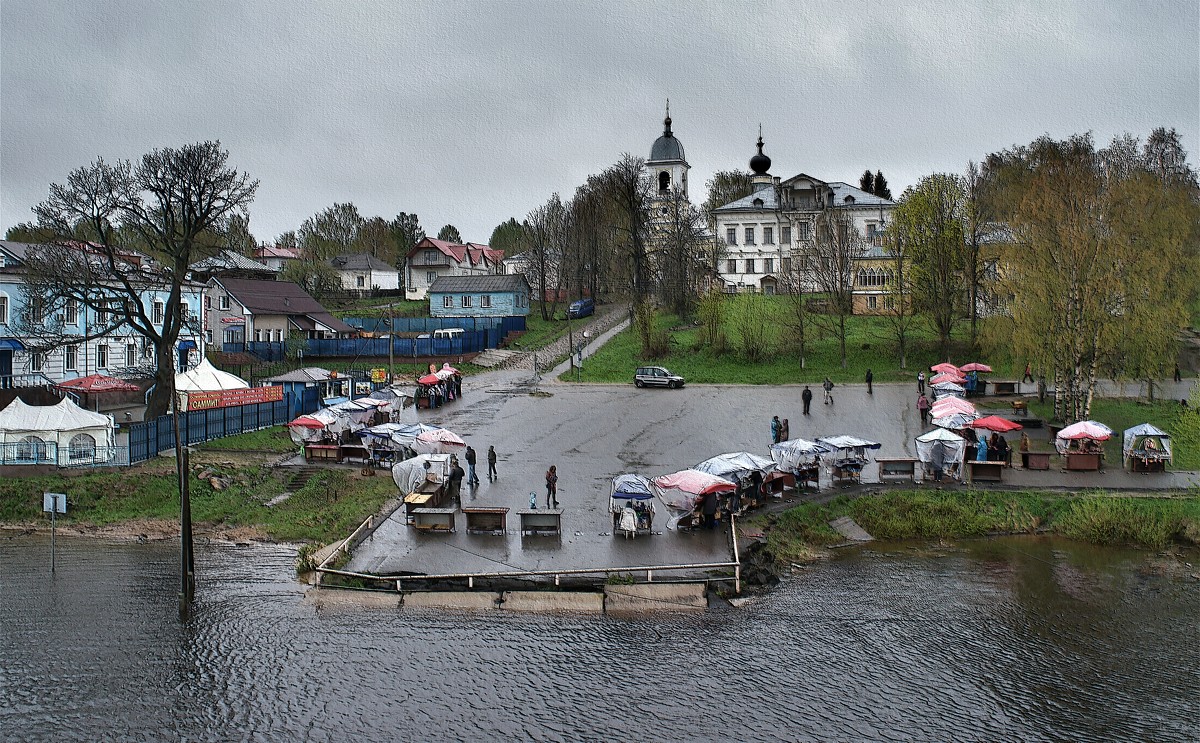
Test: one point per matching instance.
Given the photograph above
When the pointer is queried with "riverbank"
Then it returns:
(801, 533)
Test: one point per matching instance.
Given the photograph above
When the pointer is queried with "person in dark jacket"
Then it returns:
(806, 398)
(492, 463)
(454, 481)
(472, 478)
(870, 378)
(552, 487)
(775, 429)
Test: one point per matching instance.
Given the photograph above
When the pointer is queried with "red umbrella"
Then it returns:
(98, 383)
(305, 421)
(976, 367)
(429, 379)
(945, 366)
(995, 423)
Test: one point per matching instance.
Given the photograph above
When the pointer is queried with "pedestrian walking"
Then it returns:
(492, 463)
(921, 382)
(1028, 372)
(827, 385)
(1178, 376)
(552, 487)
(472, 478)
(775, 429)
(923, 408)
(806, 398)
(783, 431)
(870, 378)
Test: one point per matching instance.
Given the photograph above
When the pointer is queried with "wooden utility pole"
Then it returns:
(187, 563)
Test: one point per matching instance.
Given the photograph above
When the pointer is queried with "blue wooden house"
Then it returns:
(496, 295)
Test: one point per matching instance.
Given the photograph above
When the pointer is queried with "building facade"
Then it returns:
(769, 235)
(362, 272)
(27, 361)
(432, 259)
(240, 311)
(480, 296)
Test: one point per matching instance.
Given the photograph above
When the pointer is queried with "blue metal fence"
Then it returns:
(149, 438)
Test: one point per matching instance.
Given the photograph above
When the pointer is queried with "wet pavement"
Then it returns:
(593, 432)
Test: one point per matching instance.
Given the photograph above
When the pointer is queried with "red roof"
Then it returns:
(473, 253)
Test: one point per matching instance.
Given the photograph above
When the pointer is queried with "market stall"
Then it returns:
(631, 501)
(1146, 448)
(947, 389)
(847, 457)
(439, 441)
(422, 482)
(942, 450)
(751, 473)
(1080, 445)
(688, 494)
(800, 458)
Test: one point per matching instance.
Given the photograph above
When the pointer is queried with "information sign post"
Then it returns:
(54, 504)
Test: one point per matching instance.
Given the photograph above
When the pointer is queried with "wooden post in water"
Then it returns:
(187, 565)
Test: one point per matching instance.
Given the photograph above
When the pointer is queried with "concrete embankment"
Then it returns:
(615, 599)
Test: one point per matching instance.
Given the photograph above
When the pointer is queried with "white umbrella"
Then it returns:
(441, 441)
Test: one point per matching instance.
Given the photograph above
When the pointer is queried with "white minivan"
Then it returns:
(449, 333)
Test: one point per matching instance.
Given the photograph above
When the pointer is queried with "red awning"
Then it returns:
(98, 383)
(305, 421)
(995, 423)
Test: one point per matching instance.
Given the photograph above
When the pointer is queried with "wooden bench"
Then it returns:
(541, 521)
(434, 519)
(897, 468)
(486, 518)
(1005, 388)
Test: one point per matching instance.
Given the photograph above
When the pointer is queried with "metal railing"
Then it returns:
(17, 453)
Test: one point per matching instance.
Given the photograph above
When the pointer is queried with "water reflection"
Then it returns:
(1030, 639)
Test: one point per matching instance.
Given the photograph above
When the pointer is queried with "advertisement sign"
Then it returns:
(229, 398)
(379, 376)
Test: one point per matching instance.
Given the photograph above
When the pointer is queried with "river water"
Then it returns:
(1020, 639)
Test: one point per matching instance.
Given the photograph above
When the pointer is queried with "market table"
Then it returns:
(1083, 461)
(326, 452)
(354, 451)
(1005, 388)
(984, 470)
(541, 521)
(1035, 460)
(486, 518)
(897, 468)
(434, 519)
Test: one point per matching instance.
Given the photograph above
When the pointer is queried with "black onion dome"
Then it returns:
(760, 163)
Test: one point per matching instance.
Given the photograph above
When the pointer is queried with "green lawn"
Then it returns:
(274, 439)
(867, 346)
(385, 307)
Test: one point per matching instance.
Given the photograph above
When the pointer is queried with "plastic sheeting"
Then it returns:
(439, 441)
(953, 448)
(631, 486)
(733, 466)
(411, 473)
(794, 455)
(396, 436)
(682, 491)
(1081, 431)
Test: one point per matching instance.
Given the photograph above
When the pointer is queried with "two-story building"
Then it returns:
(769, 234)
(239, 311)
(480, 296)
(276, 258)
(432, 259)
(57, 346)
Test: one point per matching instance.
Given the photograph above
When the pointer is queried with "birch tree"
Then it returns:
(836, 246)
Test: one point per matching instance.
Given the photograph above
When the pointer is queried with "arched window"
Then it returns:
(862, 277)
(82, 446)
(31, 449)
(664, 181)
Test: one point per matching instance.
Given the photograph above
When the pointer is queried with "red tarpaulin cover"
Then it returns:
(947, 377)
(945, 366)
(307, 422)
(98, 383)
(429, 379)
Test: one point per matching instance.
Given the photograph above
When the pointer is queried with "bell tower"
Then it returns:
(667, 163)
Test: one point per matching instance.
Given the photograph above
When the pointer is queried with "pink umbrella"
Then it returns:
(951, 405)
(305, 421)
(1085, 430)
(976, 367)
(945, 366)
(429, 379)
(947, 377)
(995, 423)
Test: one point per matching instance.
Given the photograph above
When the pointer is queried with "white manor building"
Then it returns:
(763, 233)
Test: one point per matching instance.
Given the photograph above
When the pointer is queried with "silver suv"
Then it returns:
(647, 376)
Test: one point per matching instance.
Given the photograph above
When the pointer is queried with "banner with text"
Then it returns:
(230, 398)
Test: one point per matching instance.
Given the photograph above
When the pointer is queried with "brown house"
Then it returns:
(246, 311)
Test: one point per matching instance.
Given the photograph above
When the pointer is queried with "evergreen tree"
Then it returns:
(867, 182)
(449, 233)
(881, 186)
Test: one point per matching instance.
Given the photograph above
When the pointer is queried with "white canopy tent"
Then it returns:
(409, 474)
(63, 434)
(952, 448)
(207, 378)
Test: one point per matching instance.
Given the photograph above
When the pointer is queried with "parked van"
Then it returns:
(449, 333)
(581, 308)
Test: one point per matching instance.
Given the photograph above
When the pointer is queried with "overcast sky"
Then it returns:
(473, 112)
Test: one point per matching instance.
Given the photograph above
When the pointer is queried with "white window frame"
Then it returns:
(131, 354)
(485, 301)
(71, 357)
(768, 235)
(466, 300)
(750, 236)
(3, 309)
(430, 277)
(447, 301)
(102, 356)
(223, 302)
(159, 313)
(37, 362)
(360, 281)
(71, 312)
(805, 231)
(731, 236)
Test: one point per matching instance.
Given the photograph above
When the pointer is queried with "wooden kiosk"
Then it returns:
(897, 469)
(491, 519)
(984, 470)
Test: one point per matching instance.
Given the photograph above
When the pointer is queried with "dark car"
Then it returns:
(581, 308)
(647, 376)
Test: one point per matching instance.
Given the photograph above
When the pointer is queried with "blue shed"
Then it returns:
(484, 295)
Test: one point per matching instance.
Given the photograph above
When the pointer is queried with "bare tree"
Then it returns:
(545, 233)
(630, 189)
(682, 253)
(148, 222)
(836, 246)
